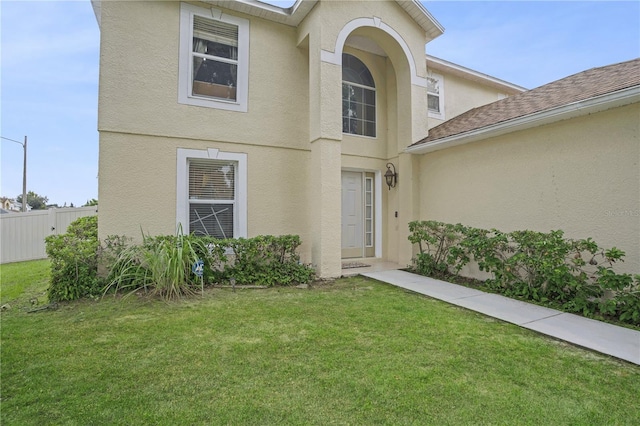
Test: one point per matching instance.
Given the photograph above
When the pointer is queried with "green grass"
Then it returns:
(24, 280)
(352, 352)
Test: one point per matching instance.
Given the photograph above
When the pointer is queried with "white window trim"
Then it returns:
(433, 114)
(373, 216)
(185, 63)
(182, 186)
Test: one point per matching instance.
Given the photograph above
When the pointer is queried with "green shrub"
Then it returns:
(263, 260)
(162, 265)
(575, 275)
(74, 261)
(438, 244)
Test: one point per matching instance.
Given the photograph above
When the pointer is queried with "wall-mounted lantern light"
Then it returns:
(391, 176)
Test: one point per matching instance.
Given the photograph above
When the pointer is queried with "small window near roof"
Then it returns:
(358, 98)
(214, 59)
(435, 95)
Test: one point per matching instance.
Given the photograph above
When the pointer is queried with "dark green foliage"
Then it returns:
(574, 275)
(162, 265)
(36, 201)
(263, 260)
(74, 261)
(439, 253)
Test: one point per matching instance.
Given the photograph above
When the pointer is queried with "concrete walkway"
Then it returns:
(613, 340)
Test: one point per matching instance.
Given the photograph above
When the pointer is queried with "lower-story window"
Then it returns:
(211, 193)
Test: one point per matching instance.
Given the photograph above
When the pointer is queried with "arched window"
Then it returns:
(358, 98)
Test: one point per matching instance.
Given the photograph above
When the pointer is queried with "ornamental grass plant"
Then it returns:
(160, 266)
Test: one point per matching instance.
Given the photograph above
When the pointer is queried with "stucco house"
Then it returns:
(235, 118)
(565, 155)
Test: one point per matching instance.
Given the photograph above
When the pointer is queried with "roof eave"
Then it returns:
(576, 109)
(446, 66)
(293, 15)
(97, 10)
(423, 17)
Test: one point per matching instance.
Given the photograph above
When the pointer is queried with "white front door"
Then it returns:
(357, 215)
(352, 218)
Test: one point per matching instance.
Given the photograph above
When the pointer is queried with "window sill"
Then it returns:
(215, 103)
(438, 115)
(355, 135)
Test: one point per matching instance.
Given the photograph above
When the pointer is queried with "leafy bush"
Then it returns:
(439, 253)
(575, 275)
(74, 261)
(263, 260)
(162, 265)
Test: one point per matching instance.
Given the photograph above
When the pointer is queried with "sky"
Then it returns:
(49, 62)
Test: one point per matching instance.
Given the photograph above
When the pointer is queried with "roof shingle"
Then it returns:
(575, 88)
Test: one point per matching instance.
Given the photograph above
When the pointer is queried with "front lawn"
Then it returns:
(24, 280)
(352, 352)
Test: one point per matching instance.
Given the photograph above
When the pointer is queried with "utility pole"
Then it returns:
(24, 171)
(24, 177)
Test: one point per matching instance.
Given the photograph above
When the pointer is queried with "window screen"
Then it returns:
(433, 94)
(215, 58)
(358, 98)
(212, 198)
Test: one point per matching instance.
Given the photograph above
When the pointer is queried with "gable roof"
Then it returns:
(585, 92)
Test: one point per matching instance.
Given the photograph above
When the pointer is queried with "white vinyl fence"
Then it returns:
(22, 234)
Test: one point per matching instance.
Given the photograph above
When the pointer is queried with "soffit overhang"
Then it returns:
(293, 15)
(437, 64)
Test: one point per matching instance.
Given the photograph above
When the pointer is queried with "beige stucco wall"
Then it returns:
(462, 94)
(291, 132)
(328, 18)
(139, 80)
(581, 176)
(138, 186)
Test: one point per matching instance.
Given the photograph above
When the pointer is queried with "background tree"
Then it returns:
(37, 202)
(91, 202)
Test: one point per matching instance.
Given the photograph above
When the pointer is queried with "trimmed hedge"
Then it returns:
(162, 265)
(574, 275)
(264, 260)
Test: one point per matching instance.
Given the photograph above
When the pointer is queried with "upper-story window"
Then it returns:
(435, 95)
(358, 98)
(214, 59)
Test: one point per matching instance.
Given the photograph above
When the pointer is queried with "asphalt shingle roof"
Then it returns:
(575, 88)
